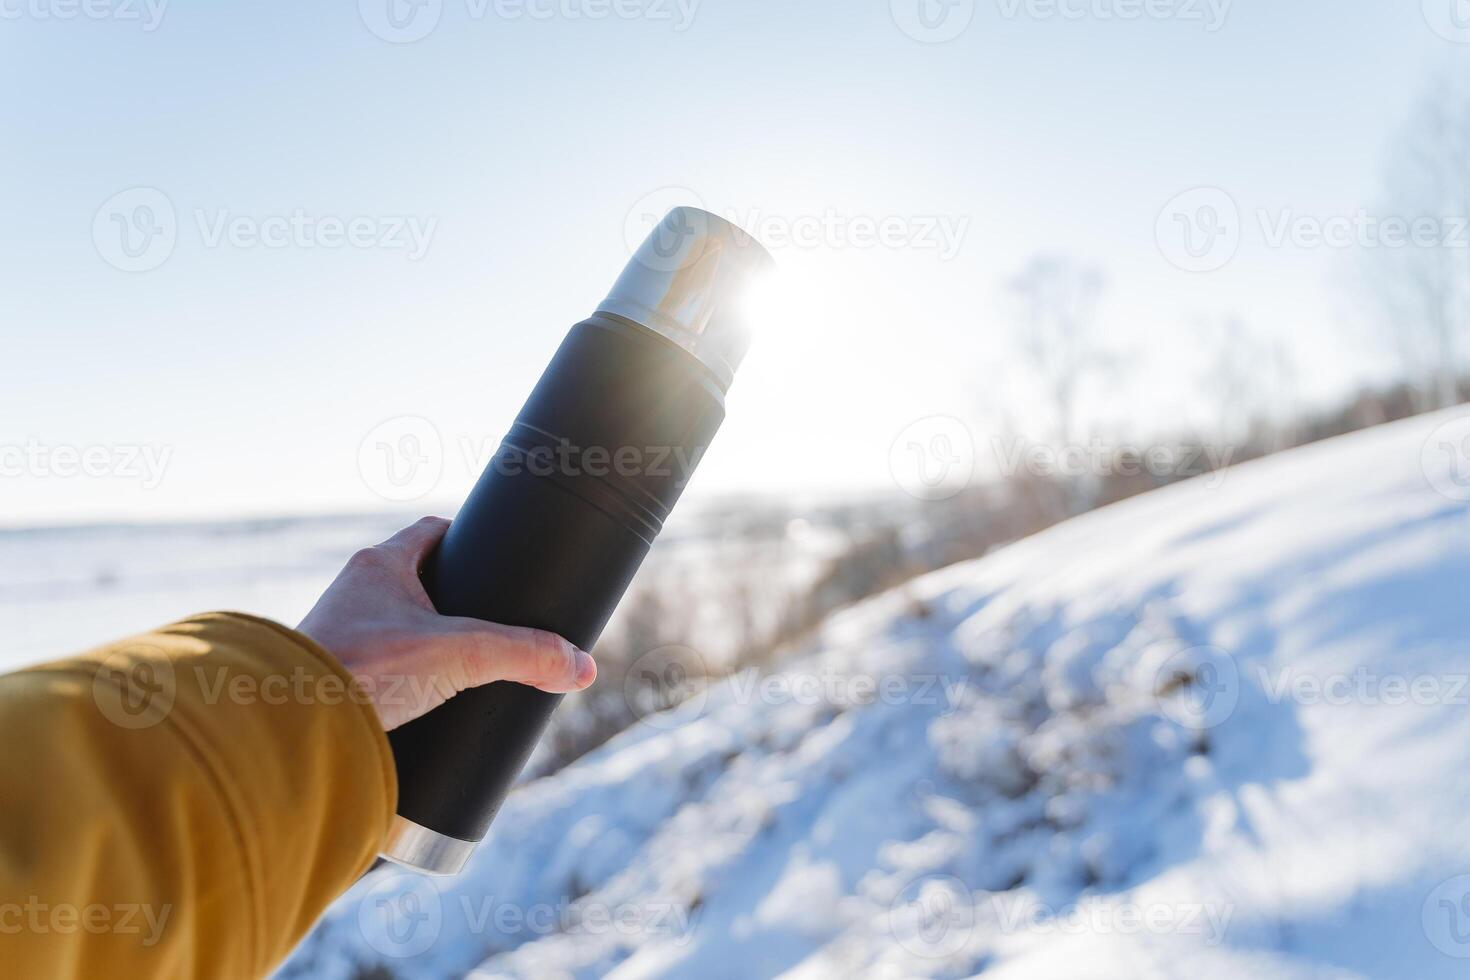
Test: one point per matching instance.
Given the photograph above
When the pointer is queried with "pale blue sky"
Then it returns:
(525, 142)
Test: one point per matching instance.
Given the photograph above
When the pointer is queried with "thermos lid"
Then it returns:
(689, 282)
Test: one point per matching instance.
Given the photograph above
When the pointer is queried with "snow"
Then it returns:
(1216, 731)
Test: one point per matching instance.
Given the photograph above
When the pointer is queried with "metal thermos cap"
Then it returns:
(689, 282)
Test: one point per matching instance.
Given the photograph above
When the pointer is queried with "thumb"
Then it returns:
(413, 544)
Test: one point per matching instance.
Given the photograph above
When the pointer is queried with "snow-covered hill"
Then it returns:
(1221, 730)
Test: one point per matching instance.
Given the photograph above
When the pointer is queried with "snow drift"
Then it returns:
(1217, 731)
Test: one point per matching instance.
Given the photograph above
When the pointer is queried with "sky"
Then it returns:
(246, 245)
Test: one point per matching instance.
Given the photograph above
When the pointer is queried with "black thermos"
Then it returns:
(559, 522)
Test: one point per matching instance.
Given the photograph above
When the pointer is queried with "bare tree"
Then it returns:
(1058, 298)
(1058, 335)
(1252, 379)
(1423, 287)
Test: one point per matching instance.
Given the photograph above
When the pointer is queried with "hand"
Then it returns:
(376, 619)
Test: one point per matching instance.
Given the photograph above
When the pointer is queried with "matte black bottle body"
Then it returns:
(550, 538)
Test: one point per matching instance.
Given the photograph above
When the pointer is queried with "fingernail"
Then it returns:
(586, 669)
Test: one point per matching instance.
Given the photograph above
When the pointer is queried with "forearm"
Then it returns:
(184, 803)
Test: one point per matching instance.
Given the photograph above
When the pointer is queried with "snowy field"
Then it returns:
(63, 590)
(1207, 733)
(66, 589)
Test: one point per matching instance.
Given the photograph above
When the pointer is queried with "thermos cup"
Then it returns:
(563, 516)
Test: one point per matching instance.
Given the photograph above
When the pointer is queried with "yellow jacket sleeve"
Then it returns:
(184, 803)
